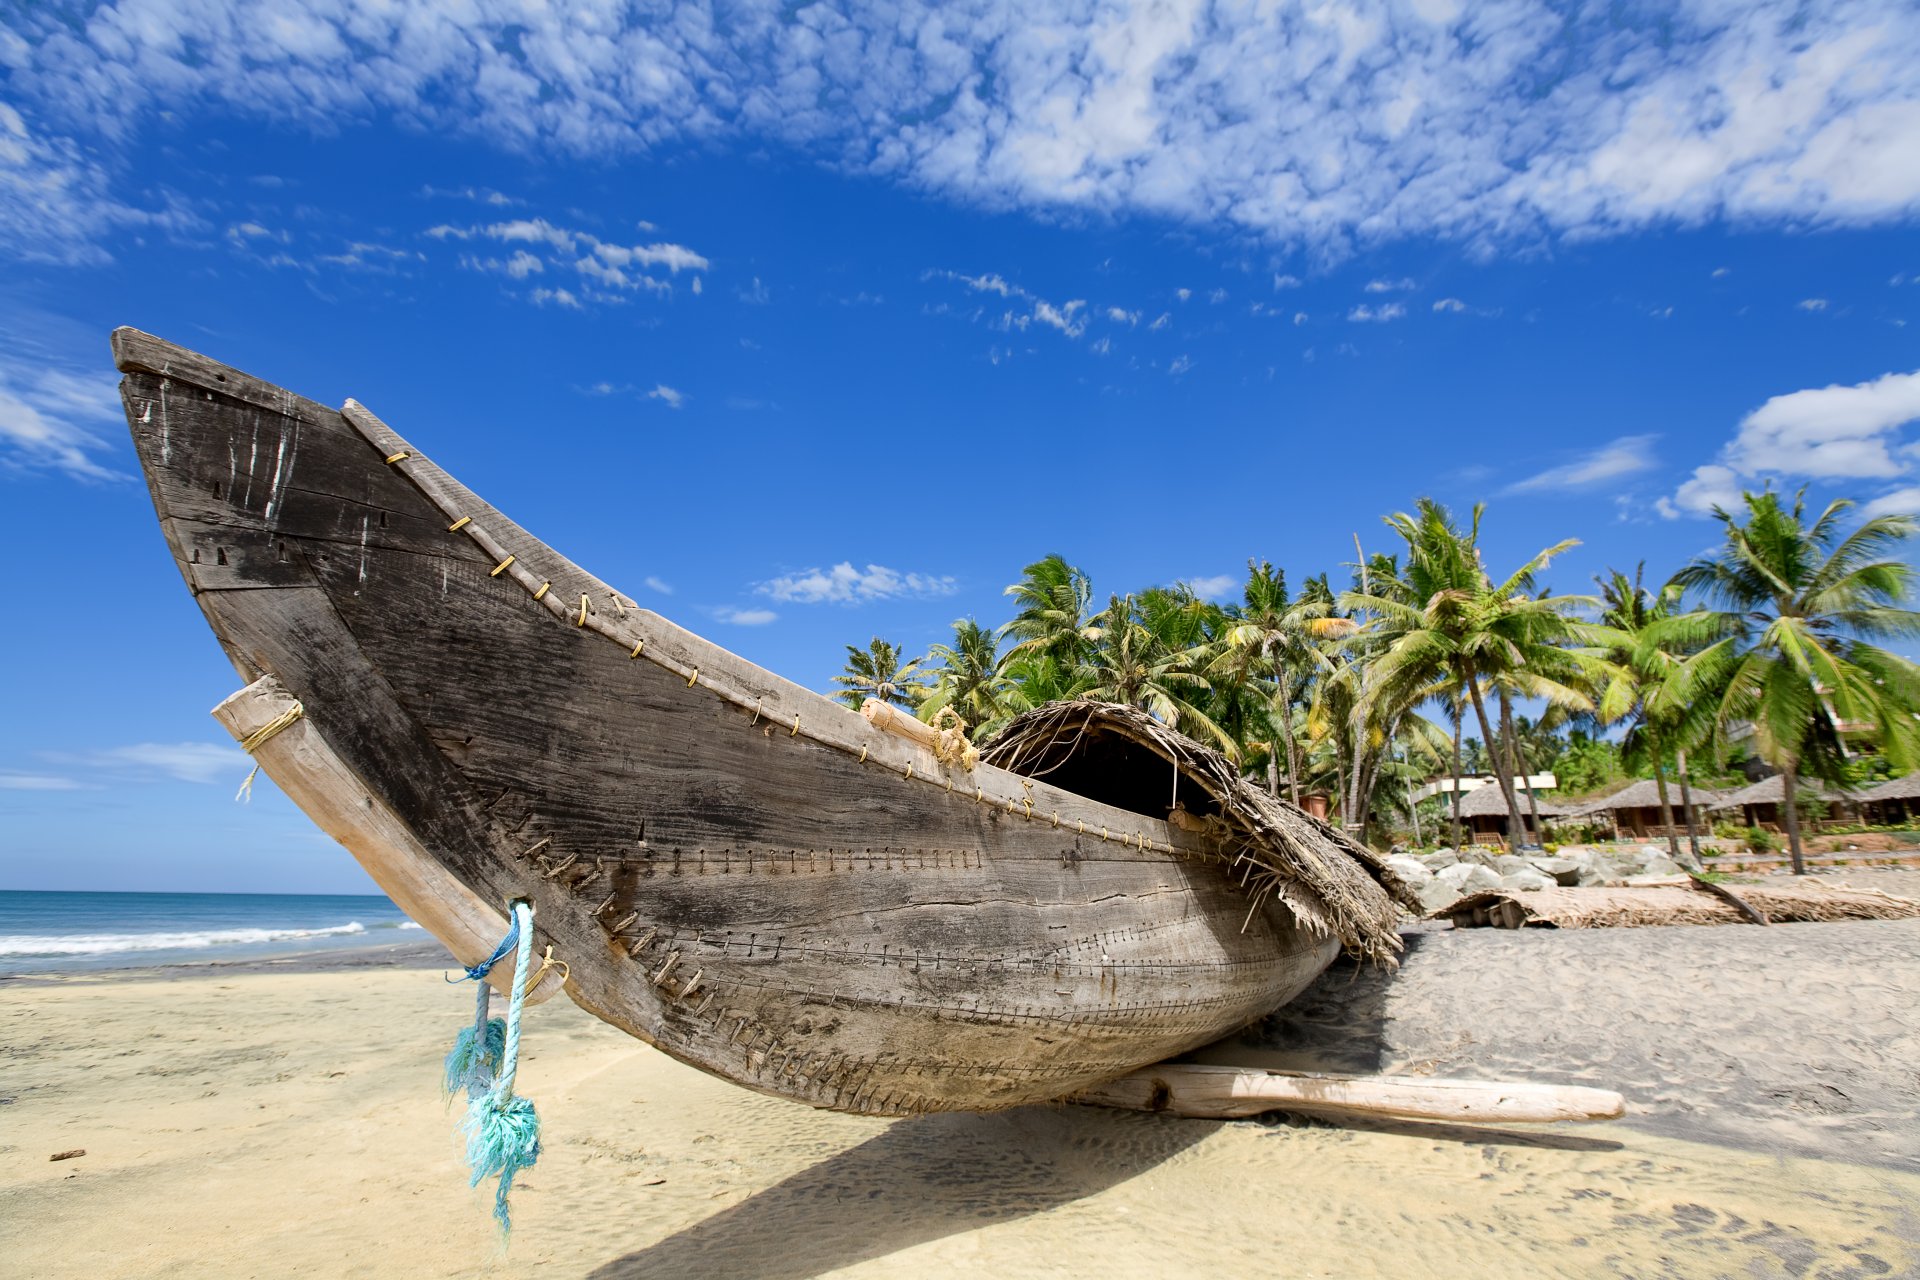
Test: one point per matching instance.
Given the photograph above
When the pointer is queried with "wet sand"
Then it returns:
(262, 1120)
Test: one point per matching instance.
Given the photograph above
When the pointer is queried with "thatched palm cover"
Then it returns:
(1332, 884)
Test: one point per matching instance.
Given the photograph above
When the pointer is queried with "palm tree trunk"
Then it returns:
(1791, 807)
(1666, 808)
(1686, 805)
(1500, 774)
(1286, 731)
(1459, 715)
(1519, 762)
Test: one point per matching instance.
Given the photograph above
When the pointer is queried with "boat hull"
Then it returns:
(734, 869)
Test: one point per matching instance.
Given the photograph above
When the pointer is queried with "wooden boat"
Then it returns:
(734, 869)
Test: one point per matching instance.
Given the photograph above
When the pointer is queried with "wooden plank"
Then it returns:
(1225, 1093)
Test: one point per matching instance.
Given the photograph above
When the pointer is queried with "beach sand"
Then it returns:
(270, 1120)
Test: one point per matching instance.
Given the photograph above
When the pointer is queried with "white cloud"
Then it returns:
(1720, 273)
(1302, 122)
(1389, 286)
(1622, 457)
(844, 584)
(1901, 502)
(1286, 282)
(1824, 433)
(1119, 315)
(1299, 318)
(1216, 296)
(1710, 486)
(1450, 304)
(1101, 346)
(539, 245)
(746, 617)
(655, 584)
(667, 395)
(1217, 587)
(181, 761)
(51, 413)
(1162, 321)
(1180, 365)
(39, 782)
(1070, 318)
(1364, 314)
(1183, 294)
(1812, 304)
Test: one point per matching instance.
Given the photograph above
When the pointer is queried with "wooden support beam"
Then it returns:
(1226, 1093)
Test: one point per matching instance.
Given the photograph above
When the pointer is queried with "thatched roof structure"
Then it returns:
(1597, 908)
(1771, 790)
(1487, 802)
(1123, 756)
(1907, 788)
(1643, 793)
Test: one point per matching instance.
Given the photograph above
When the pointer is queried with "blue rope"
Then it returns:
(503, 1132)
(478, 972)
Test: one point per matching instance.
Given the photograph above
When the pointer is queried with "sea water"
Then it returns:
(65, 932)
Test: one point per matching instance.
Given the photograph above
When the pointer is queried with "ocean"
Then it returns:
(68, 932)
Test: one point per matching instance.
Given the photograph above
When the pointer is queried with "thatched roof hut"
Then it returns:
(1125, 757)
(1642, 793)
(1907, 788)
(1770, 791)
(1488, 802)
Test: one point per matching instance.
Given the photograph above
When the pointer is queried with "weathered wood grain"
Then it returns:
(1226, 1093)
(738, 870)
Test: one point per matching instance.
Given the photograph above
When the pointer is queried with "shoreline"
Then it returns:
(294, 1104)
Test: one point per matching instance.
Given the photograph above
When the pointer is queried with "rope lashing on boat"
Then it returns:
(401, 456)
(501, 568)
(459, 524)
(253, 741)
(503, 1131)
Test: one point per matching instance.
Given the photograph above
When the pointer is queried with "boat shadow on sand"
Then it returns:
(935, 1176)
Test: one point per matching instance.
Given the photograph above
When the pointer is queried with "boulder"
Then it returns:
(1477, 856)
(1436, 894)
(1510, 864)
(1527, 879)
(1468, 877)
(1439, 858)
(1412, 870)
(1565, 871)
(1660, 865)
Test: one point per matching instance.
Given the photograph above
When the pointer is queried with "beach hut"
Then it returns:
(1759, 804)
(1484, 810)
(1634, 810)
(1895, 800)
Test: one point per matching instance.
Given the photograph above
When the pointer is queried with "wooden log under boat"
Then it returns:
(737, 870)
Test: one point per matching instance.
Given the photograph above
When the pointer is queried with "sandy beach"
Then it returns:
(284, 1119)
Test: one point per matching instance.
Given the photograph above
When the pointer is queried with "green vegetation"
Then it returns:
(1766, 647)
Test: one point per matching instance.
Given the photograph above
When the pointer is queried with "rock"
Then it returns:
(1527, 879)
(1439, 858)
(1478, 857)
(1510, 864)
(1436, 894)
(1468, 877)
(1412, 870)
(1660, 865)
(1565, 871)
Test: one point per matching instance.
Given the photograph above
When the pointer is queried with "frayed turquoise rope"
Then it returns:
(475, 1060)
(503, 1133)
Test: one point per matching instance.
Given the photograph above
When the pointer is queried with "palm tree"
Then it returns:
(1629, 612)
(1445, 624)
(1286, 637)
(877, 672)
(1052, 617)
(969, 679)
(1132, 664)
(1790, 650)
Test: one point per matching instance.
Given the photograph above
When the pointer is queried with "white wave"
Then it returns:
(101, 944)
(409, 924)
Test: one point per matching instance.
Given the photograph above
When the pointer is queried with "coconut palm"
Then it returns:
(1445, 624)
(969, 679)
(1660, 728)
(1052, 618)
(1789, 649)
(878, 671)
(1132, 664)
(1287, 638)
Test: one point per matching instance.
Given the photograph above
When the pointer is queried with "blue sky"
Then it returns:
(810, 323)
